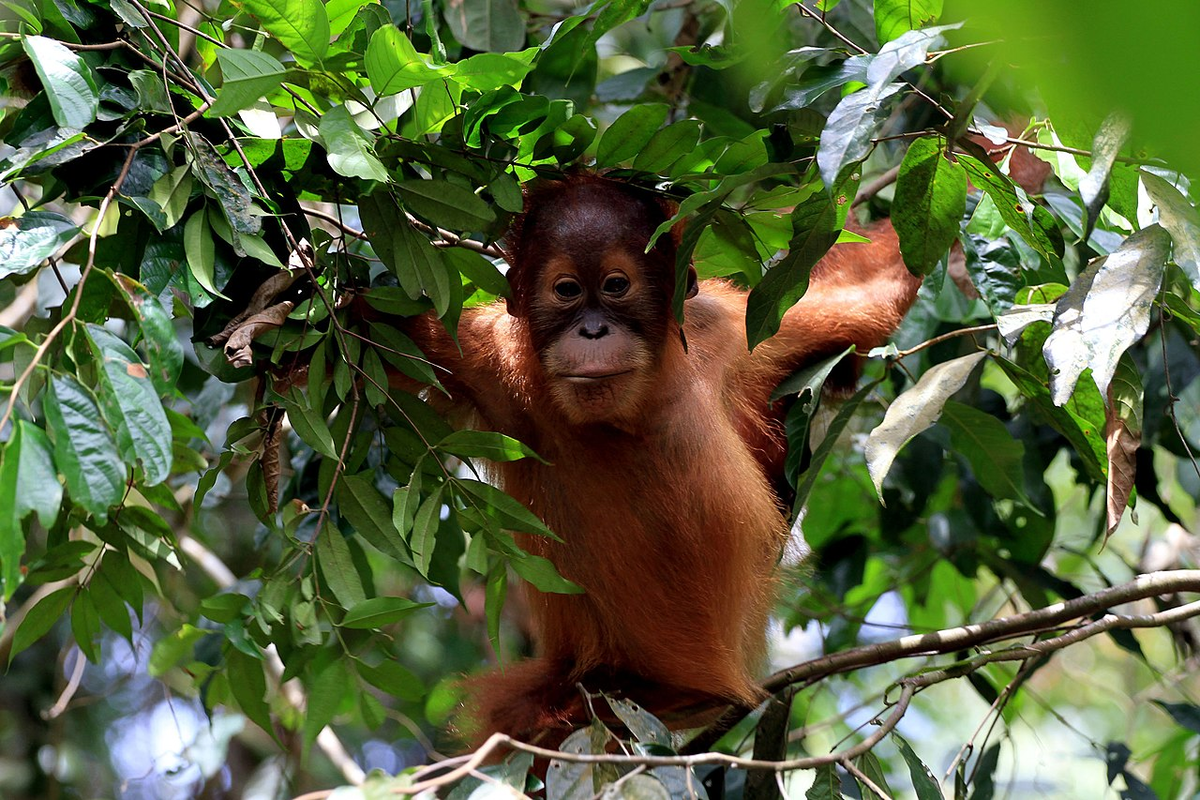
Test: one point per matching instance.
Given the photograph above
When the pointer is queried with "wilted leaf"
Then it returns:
(1116, 311)
(1123, 436)
(915, 411)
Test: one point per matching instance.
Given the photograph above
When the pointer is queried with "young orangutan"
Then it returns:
(660, 460)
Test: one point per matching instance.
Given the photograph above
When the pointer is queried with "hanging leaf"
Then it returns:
(67, 79)
(1093, 188)
(28, 240)
(1175, 214)
(84, 450)
(930, 200)
(915, 411)
(1123, 435)
(349, 148)
(131, 406)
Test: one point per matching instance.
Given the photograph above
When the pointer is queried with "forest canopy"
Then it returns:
(236, 562)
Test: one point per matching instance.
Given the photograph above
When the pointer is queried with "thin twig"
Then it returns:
(945, 336)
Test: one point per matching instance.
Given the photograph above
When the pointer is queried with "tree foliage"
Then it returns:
(198, 196)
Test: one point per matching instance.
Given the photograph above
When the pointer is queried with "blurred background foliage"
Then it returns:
(170, 547)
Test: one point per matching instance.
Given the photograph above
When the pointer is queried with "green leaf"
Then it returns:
(28, 240)
(131, 406)
(477, 269)
(994, 455)
(485, 444)
(199, 245)
(1032, 222)
(994, 266)
(868, 764)
(67, 79)
(504, 509)
(423, 539)
(85, 625)
(172, 191)
(393, 678)
(630, 133)
(249, 688)
(542, 573)
(393, 64)
(367, 510)
(324, 696)
(301, 26)
(224, 607)
(40, 619)
(158, 335)
(894, 18)
(170, 650)
(309, 424)
(668, 145)
(826, 784)
(487, 71)
(28, 484)
(446, 204)
(247, 75)
(494, 26)
(931, 197)
(337, 567)
(349, 148)
(808, 479)
(415, 262)
(379, 611)
(84, 450)
(924, 783)
(815, 222)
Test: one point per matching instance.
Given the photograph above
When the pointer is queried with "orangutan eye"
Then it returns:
(567, 289)
(616, 285)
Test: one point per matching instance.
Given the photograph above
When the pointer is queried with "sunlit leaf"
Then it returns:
(302, 26)
(915, 411)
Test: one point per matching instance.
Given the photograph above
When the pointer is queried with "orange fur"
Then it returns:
(665, 506)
